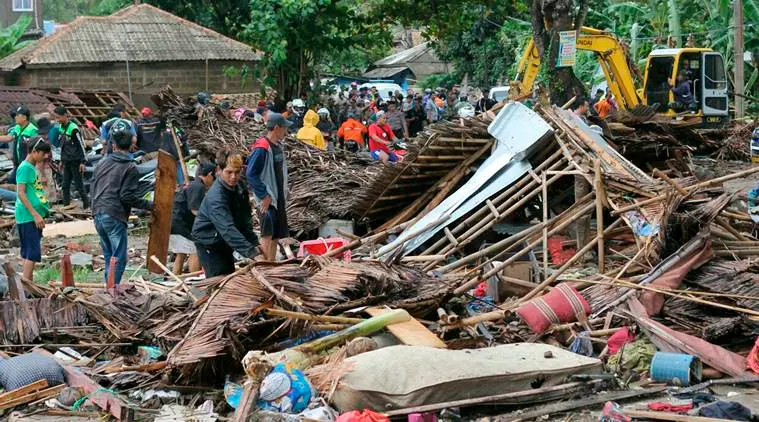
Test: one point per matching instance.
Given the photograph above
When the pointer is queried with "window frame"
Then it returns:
(21, 8)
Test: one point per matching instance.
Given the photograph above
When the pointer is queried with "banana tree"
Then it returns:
(10, 37)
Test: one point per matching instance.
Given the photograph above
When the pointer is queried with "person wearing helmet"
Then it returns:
(309, 134)
(72, 156)
(352, 133)
(326, 127)
(115, 184)
(381, 136)
(118, 114)
(19, 135)
(297, 115)
(149, 129)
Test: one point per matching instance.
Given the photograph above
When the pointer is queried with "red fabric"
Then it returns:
(619, 339)
(559, 255)
(668, 340)
(365, 416)
(261, 142)
(672, 278)
(669, 407)
(384, 132)
(753, 357)
(562, 304)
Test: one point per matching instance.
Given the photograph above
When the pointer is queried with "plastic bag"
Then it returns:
(285, 390)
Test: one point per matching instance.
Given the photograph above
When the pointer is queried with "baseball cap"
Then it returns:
(146, 111)
(277, 120)
(23, 110)
(60, 110)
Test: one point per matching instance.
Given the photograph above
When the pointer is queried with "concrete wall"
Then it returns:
(146, 78)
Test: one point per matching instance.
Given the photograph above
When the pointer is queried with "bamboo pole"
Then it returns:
(600, 217)
(547, 282)
(658, 173)
(691, 188)
(369, 239)
(498, 268)
(545, 224)
(317, 318)
(180, 282)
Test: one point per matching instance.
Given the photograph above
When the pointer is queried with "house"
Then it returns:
(137, 50)
(11, 10)
(415, 63)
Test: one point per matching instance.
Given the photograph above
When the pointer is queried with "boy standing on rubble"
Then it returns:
(114, 192)
(186, 205)
(223, 224)
(72, 156)
(31, 205)
(267, 176)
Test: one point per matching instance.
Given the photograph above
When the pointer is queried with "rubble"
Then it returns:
(520, 235)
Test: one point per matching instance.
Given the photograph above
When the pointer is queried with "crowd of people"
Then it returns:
(211, 224)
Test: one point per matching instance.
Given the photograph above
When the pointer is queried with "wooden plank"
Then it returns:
(43, 394)
(664, 416)
(163, 204)
(103, 399)
(30, 388)
(410, 332)
(15, 288)
(70, 229)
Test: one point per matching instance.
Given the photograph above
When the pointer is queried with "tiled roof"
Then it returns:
(140, 33)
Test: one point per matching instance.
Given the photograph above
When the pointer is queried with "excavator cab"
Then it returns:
(704, 68)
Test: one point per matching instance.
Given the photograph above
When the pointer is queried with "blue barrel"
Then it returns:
(676, 368)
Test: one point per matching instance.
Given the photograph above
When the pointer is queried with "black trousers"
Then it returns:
(216, 260)
(71, 173)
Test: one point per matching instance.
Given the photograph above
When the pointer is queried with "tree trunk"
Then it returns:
(548, 19)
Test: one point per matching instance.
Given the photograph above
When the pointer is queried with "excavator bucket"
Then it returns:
(638, 114)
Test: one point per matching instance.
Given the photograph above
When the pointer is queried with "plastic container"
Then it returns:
(320, 246)
(754, 146)
(676, 368)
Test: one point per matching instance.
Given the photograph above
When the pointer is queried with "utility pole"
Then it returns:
(738, 45)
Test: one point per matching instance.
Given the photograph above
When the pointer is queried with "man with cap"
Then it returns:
(223, 225)
(149, 128)
(19, 135)
(186, 206)
(267, 176)
(72, 156)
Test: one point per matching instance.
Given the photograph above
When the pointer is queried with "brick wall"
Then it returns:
(147, 78)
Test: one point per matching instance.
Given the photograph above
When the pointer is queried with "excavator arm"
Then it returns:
(611, 56)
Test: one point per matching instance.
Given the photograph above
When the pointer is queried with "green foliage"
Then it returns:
(298, 36)
(10, 36)
(434, 81)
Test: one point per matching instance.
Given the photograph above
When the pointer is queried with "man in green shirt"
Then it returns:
(31, 204)
(19, 134)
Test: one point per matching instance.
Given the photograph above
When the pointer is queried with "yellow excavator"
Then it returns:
(704, 68)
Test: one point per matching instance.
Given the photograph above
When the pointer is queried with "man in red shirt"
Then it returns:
(381, 136)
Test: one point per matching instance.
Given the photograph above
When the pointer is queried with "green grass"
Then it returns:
(45, 275)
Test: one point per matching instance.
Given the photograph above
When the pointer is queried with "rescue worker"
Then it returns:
(223, 223)
(19, 135)
(352, 134)
(381, 136)
(72, 156)
(186, 206)
(267, 176)
(309, 133)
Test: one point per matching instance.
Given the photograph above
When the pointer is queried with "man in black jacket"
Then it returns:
(186, 205)
(72, 156)
(114, 193)
(149, 129)
(223, 224)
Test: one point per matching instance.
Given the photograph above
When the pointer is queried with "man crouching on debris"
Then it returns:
(114, 193)
(31, 205)
(223, 224)
(267, 176)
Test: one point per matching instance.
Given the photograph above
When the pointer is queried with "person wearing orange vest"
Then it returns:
(352, 133)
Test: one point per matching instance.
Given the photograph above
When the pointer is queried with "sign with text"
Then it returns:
(567, 48)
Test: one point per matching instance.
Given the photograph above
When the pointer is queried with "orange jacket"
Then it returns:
(352, 130)
(603, 108)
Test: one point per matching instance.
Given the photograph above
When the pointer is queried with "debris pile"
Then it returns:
(514, 262)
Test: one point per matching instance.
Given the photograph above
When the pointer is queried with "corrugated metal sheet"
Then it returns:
(403, 57)
(384, 72)
(141, 33)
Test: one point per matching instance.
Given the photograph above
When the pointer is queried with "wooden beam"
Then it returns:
(15, 288)
(28, 398)
(664, 416)
(163, 205)
(30, 388)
